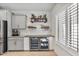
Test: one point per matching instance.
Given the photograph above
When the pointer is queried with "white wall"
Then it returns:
(56, 10)
(6, 15)
(37, 31)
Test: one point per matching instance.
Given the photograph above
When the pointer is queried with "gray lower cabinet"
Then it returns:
(11, 44)
(51, 43)
(15, 44)
(26, 43)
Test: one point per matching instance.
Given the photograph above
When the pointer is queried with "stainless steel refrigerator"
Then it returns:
(3, 36)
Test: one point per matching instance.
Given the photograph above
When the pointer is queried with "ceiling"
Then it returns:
(28, 6)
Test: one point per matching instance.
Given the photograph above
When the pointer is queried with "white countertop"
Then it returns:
(32, 36)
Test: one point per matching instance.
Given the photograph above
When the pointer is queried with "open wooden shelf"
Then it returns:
(44, 27)
(31, 27)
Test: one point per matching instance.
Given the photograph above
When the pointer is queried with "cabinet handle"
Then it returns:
(15, 42)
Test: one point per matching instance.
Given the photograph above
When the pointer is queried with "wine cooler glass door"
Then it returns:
(44, 43)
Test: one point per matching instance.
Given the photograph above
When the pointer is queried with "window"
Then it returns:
(62, 27)
(68, 27)
(72, 27)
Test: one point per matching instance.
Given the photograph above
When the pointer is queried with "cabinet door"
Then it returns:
(26, 43)
(20, 44)
(50, 43)
(11, 44)
(18, 21)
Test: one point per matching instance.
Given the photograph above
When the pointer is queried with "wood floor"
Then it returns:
(30, 53)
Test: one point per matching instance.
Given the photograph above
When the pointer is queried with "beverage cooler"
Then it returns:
(3, 36)
(39, 43)
(34, 43)
(44, 43)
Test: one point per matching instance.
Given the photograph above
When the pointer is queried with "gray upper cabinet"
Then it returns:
(19, 21)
